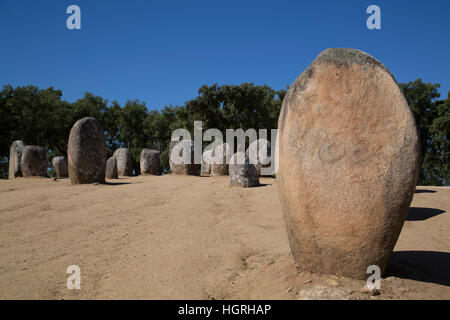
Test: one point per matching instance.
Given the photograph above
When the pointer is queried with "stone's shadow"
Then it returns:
(108, 183)
(418, 214)
(425, 191)
(424, 266)
(262, 185)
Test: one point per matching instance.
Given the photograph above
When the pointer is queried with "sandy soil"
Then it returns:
(178, 237)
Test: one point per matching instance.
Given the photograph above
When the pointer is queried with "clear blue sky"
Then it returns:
(161, 52)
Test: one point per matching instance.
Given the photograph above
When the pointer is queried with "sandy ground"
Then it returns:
(178, 237)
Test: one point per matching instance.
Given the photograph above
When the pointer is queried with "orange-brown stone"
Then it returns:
(348, 163)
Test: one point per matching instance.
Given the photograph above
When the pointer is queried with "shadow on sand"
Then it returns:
(262, 185)
(418, 214)
(425, 191)
(425, 266)
(109, 183)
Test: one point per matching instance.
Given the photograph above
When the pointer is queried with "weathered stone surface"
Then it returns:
(34, 161)
(150, 161)
(187, 165)
(349, 162)
(242, 173)
(277, 154)
(124, 162)
(87, 152)
(111, 168)
(220, 155)
(15, 155)
(259, 153)
(206, 162)
(61, 166)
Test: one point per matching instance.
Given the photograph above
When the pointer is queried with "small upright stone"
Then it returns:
(242, 172)
(34, 162)
(348, 163)
(87, 152)
(150, 161)
(124, 162)
(111, 168)
(220, 155)
(15, 155)
(61, 167)
(181, 163)
(206, 162)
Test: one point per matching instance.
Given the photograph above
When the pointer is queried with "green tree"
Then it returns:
(431, 118)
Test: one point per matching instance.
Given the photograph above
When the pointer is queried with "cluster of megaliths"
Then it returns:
(347, 163)
(87, 162)
(86, 154)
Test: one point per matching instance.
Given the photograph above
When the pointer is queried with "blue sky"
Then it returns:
(161, 52)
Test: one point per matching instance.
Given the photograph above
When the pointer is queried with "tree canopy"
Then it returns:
(41, 117)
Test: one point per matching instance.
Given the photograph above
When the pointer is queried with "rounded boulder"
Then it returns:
(181, 158)
(150, 161)
(220, 156)
(348, 163)
(242, 172)
(124, 162)
(87, 152)
(61, 166)
(34, 161)
(111, 169)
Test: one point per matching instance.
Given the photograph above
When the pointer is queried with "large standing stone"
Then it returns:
(206, 162)
(34, 161)
(150, 161)
(87, 152)
(259, 153)
(124, 162)
(221, 154)
(111, 168)
(349, 162)
(61, 167)
(187, 167)
(242, 172)
(15, 155)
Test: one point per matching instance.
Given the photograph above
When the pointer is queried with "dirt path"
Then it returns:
(177, 237)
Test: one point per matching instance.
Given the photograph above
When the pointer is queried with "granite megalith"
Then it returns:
(86, 152)
(150, 161)
(34, 161)
(61, 166)
(111, 168)
(348, 163)
(242, 172)
(206, 162)
(15, 155)
(124, 162)
(181, 158)
(220, 156)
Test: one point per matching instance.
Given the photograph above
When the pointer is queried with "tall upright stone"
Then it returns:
(34, 161)
(124, 162)
(150, 161)
(15, 155)
(87, 152)
(111, 168)
(206, 162)
(61, 166)
(348, 163)
(180, 162)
